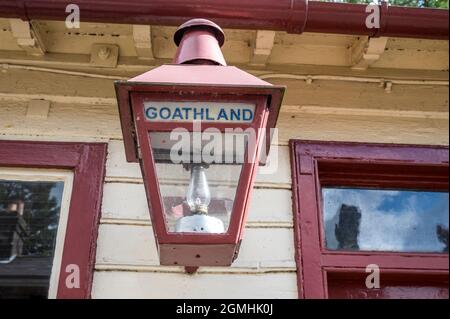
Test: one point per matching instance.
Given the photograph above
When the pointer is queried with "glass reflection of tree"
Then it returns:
(347, 229)
(40, 214)
(442, 234)
(12, 228)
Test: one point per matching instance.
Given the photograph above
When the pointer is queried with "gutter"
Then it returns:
(292, 16)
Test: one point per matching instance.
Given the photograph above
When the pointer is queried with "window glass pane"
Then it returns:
(29, 217)
(385, 220)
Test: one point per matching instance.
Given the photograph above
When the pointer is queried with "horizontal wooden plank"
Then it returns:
(129, 67)
(397, 261)
(116, 163)
(266, 267)
(128, 201)
(376, 129)
(73, 120)
(318, 110)
(83, 122)
(125, 201)
(349, 94)
(78, 119)
(117, 166)
(36, 82)
(260, 247)
(288, 49)
(115, 284)
(413, 59)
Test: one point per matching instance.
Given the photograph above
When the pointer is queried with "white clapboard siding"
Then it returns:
(75, 120)
(118, 167)
(113, 284)
(363, 128)
(78, 121)
(135, 245)
(127, 201)
(299, 92)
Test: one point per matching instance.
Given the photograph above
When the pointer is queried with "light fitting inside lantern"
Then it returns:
(197, 196)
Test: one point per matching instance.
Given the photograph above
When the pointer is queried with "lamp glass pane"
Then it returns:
(198, 176)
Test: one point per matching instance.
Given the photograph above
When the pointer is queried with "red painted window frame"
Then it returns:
(87, 161)
(316, 164)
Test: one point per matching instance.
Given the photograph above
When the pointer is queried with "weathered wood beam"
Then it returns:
(28, 36)
(104, 55)
(263, 47)
(38, 109)
(142, 37)
(365, 51)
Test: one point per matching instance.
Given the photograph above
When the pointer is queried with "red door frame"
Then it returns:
(316, 164)
(87, 161)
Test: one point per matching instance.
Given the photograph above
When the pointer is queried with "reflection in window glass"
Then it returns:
(29, 216)
(385, 220)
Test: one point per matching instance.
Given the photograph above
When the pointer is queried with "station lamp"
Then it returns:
(198, 127)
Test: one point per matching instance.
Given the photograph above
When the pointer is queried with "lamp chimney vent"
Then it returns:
(199, 42)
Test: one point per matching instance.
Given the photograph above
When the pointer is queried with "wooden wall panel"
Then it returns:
(84, 109)
(114, 284)
(131, 245)
(126, 202)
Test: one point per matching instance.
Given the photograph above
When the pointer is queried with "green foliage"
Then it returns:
(40, 215)
(443, 4)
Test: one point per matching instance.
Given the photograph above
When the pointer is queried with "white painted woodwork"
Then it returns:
(288, 49)
(142, 37)
(38, 109)
(263, 46)
(115, 284)
(28, 36)
(366, 51)
(130, 66)
(54, 84)
(87, 122)
(414, 54)
(73, 121)
(135, 245)
(104, 55)
(388, 86)
(118, 168)
(348, 111)
(79, 41)
(349, 94)
(127, 203)
(353, 92)
(365, 129)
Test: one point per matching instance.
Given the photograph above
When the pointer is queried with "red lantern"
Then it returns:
(197, 128)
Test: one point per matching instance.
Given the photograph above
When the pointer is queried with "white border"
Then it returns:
(48, 175)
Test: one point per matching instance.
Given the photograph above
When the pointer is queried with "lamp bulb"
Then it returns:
(198, 195)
